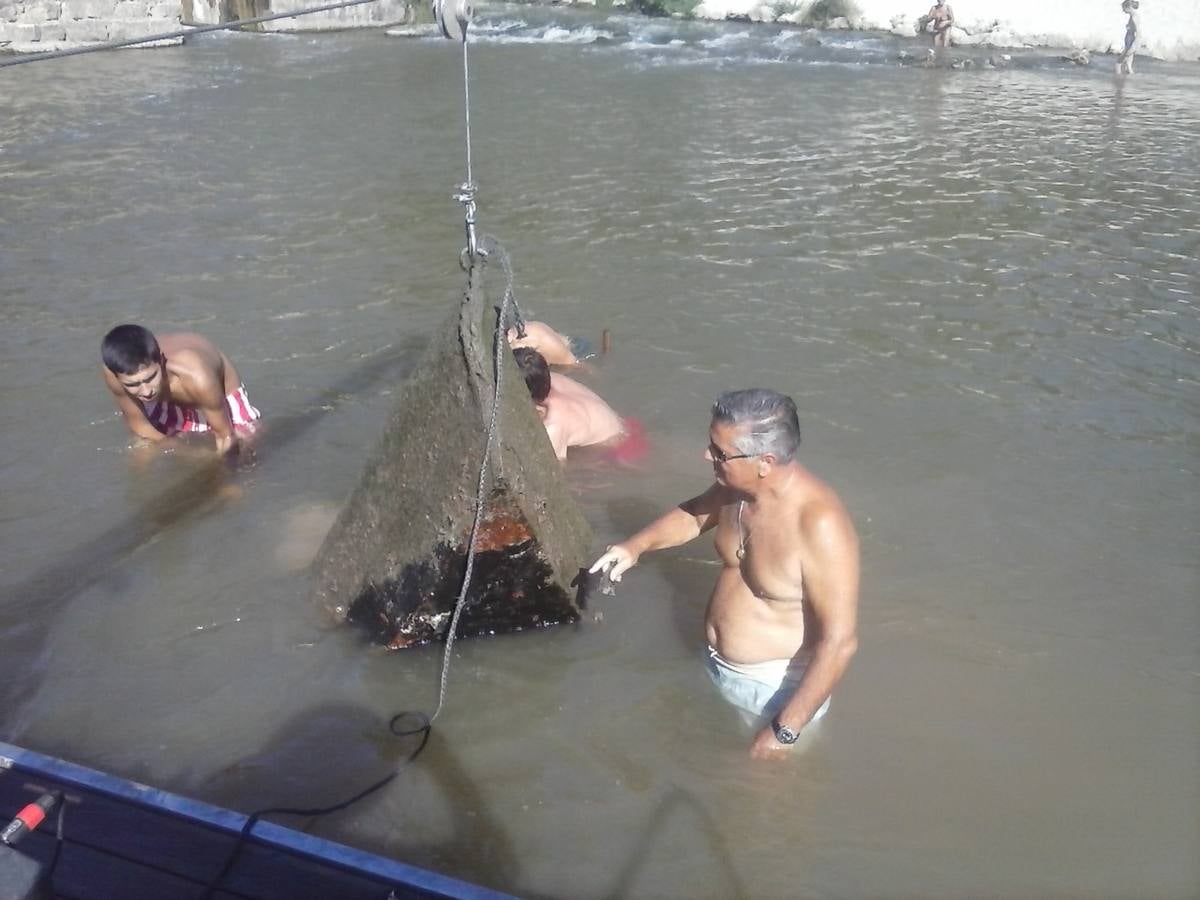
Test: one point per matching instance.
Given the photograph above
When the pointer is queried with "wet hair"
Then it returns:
(1132, 4)
(768, 419)
(537, 373)
(128, 348)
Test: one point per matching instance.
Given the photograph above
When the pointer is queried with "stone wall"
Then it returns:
(32, 26)
(365, 15)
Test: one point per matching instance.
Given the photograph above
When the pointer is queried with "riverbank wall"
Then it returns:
(39, 26)
(29, 26)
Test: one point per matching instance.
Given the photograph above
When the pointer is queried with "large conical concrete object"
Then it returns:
(394, 559)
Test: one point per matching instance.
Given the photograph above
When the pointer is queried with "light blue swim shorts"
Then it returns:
(759, 690)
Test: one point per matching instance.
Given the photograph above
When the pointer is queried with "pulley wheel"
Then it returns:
(453, 17)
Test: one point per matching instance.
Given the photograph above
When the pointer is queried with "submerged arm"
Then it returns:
(208, 388)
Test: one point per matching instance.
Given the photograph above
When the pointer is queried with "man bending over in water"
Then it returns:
(782, 617)
(554, 347)
(574, 415)
(176, 384)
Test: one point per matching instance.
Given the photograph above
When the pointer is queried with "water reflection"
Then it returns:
(678, 803)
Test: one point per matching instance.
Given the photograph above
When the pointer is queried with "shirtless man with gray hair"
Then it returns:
(782, 618)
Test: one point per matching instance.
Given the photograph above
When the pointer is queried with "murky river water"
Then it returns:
(980, 287)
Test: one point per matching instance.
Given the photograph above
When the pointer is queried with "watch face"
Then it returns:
(783, 734)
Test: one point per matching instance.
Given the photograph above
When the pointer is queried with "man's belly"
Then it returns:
(745, 628)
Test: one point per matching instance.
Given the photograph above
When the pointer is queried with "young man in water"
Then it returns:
(176, 384)
(782, 617)
(575, 416)
(940, 18)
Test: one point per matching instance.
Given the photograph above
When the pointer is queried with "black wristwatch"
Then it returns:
(783, 734)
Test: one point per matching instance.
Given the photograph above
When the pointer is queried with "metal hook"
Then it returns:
(466, 197)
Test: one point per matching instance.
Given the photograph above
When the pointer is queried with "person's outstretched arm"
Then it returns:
(688, 520)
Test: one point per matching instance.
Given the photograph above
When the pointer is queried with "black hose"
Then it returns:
(423, 729)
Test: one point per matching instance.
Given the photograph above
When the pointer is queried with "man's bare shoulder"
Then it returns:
(195, 365)
(186, 341)
(825, 521)
(571, 391)
(568, 384)
(540, 331)
(553, 346)
(190, 351)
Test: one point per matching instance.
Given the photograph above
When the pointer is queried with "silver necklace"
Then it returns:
(741, 550)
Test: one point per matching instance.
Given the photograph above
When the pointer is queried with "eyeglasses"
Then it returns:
(721, 456)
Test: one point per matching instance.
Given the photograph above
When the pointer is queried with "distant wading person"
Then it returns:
(176, 384)
(940, 18)
(782, 617)
(1132, 26)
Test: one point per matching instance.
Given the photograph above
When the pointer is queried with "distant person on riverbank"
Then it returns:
(940, 19)
(1132, 26)
(576, 416)
(782, 617)
(176, 384)
(555, 348)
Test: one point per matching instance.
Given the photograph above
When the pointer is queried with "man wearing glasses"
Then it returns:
(782, 618)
